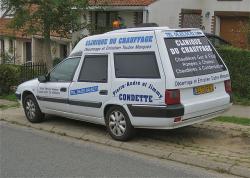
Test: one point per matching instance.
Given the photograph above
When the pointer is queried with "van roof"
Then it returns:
(141, 29)
(77, 51)
(138, 29)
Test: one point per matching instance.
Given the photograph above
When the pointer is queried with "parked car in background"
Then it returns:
(216, 40)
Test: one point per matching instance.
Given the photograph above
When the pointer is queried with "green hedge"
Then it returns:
(9, 76)
(238, 63)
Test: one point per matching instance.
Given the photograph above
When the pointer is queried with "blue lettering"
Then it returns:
(150, 99)
(84, 90)
(132, 97)
(124, 97)
(138, 98)
(120, 96)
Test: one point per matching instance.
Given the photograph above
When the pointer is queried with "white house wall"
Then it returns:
(166, 12)
(213, 5)
(19, 51)
(38, 49)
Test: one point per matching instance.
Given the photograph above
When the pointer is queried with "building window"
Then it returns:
(102, 21)
(138, 18)
(63, 51)
(2, 46)
(11, 46)
(190, 18)
(2, 51)
(28, 51)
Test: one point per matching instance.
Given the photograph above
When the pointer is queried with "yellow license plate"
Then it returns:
(203, 89)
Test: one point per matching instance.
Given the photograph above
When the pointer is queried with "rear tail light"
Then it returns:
(172, 97)
(228, 86)
(177, 119)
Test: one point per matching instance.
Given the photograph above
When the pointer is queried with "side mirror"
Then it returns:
(42, 79)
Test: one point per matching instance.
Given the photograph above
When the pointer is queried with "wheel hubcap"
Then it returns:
(117, 123)
(30, 109)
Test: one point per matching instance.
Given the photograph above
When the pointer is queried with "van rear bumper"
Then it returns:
(156, 111)
(168, 123)
(202, 117)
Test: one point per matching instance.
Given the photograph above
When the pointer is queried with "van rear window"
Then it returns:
(193, 56)
(136, 65)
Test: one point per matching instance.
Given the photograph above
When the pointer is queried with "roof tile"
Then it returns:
(120, 2)
(6, 31)
(20, 33)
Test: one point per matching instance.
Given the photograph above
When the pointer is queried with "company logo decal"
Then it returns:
(123, 96)
(84, 90)
(181, 34)
(122, 43)
(138, 98)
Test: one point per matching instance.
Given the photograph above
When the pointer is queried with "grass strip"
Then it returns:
(4, 106)
(234, 120)
(9, 97)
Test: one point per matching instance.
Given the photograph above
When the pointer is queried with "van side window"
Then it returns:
(136, 65)
(94, 69)
(64, 72)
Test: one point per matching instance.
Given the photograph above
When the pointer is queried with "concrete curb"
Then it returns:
(168, 155)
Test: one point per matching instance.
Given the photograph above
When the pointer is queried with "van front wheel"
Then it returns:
(118, 124)
(32, 110)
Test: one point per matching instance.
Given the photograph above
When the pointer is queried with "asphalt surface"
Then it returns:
(26, 152)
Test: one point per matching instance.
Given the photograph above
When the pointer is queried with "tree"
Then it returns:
(45, 17)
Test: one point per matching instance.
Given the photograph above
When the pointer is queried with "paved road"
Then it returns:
(27, 153)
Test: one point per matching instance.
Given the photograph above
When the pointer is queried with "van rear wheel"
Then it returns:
(118, 124)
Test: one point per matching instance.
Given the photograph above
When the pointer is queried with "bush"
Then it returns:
(9, 76)
(7, 58)
(238, 63)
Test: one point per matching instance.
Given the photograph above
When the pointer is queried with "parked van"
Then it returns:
(151, 77)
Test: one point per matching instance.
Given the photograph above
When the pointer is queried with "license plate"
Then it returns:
(203, 89)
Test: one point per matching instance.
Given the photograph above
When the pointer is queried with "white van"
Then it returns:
(152, 77)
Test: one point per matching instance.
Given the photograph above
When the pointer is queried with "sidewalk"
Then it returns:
(238, 111)
(6, 102)
(213, 145)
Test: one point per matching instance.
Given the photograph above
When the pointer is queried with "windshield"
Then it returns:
(193, 56)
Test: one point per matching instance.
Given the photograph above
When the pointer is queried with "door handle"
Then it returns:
(103, 92)
(63, 89)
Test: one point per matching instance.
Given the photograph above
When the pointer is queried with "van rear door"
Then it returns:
(196, 70)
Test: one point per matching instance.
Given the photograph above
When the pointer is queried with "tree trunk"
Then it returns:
(47, 48)
(47, 54)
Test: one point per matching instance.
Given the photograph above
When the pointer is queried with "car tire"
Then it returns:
(118, 124)
(32, 110)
